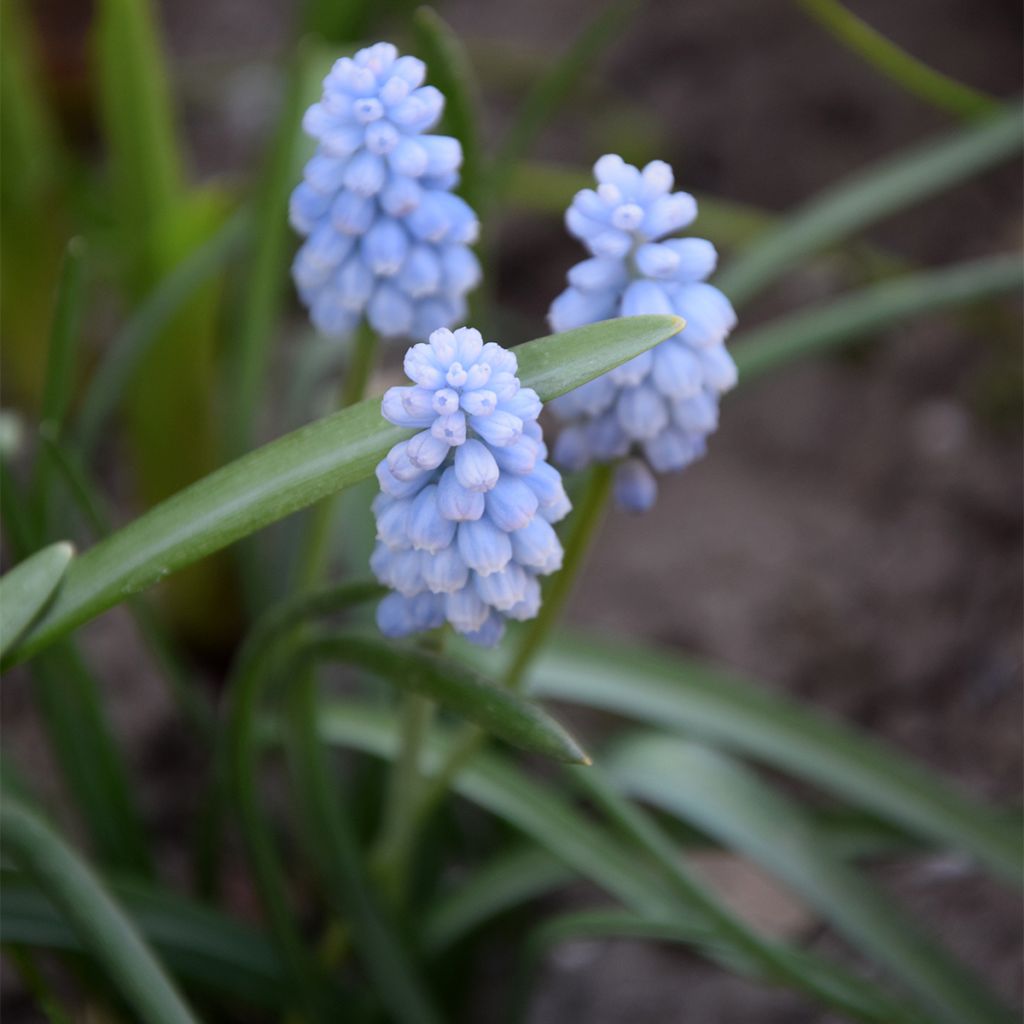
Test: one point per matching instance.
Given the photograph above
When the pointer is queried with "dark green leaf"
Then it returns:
(887, 187)
(907, 71)
(297, 470)
(851, 317)
(448, 68)
(98, 921)
(697, 700)
(496, 710)
(710, 790)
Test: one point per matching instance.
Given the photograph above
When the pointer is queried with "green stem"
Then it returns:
(315, 550)
(583, 528)
(401, 818)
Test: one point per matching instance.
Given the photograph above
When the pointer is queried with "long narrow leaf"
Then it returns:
(129, 347)
(450, 70)
(67, 315)
(99, 923)
(450, 683)
(554, 824)
(507, 881)
(893, 184)
(201, 947)
(905, 70)
(714, 792)
(335, 850)
(296, 471)
(695, 699)
(846, 319)
(139, 125)
(552, 88)
(28, 586)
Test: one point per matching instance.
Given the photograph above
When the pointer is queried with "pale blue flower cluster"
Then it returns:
(655, 411)
(464, 517)
(386, 235)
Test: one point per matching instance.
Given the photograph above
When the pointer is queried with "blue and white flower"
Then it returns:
(386, 238)
(466, 505)
(656, 411)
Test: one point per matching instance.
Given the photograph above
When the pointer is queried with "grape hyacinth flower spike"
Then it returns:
(655, 411)
(386, 237)
(466, 505)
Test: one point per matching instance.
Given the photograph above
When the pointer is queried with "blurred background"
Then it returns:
(854, 535)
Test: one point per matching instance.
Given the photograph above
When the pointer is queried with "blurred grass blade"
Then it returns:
(905, 70)
(710, 790)
(74, 720)
(67, 316)
(698, 700)
(93, 770)
(773, 960)
(506, 881)
(145, 166)
(261, 292)
(449, 68)
(869, 195)
(875, 308)
(335, 851)
(162, 647)
(128, 349)
(846, 992)
(551, 821)
(203, 948)
(28, 586)
(99, 923)
(236, 780)
(549, 188)
(451, 684)
(553, 88)
(297, 470)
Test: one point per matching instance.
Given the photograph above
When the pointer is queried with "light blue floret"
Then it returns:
(654, 412)
(385, 236)
(466, 505)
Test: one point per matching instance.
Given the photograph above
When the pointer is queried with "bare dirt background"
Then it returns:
(854, 537)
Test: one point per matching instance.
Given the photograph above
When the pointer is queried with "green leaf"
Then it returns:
(710, 790)
(845, 992)
(449, 68)
(67, 315)
(553, 823)
(201, 947)
(694, 699)
(334, 848)
(25, 590)
(261, 294)
(846, 319)
(553, 88)
(447, 681)
(145, 166)
(297, 470)
(889, 186)
(508, 880)
(99, 922)
(907, 71)
(130, 345)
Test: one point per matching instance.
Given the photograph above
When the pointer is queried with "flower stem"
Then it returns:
(314, 553)
(577, 544)
(400, 825)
